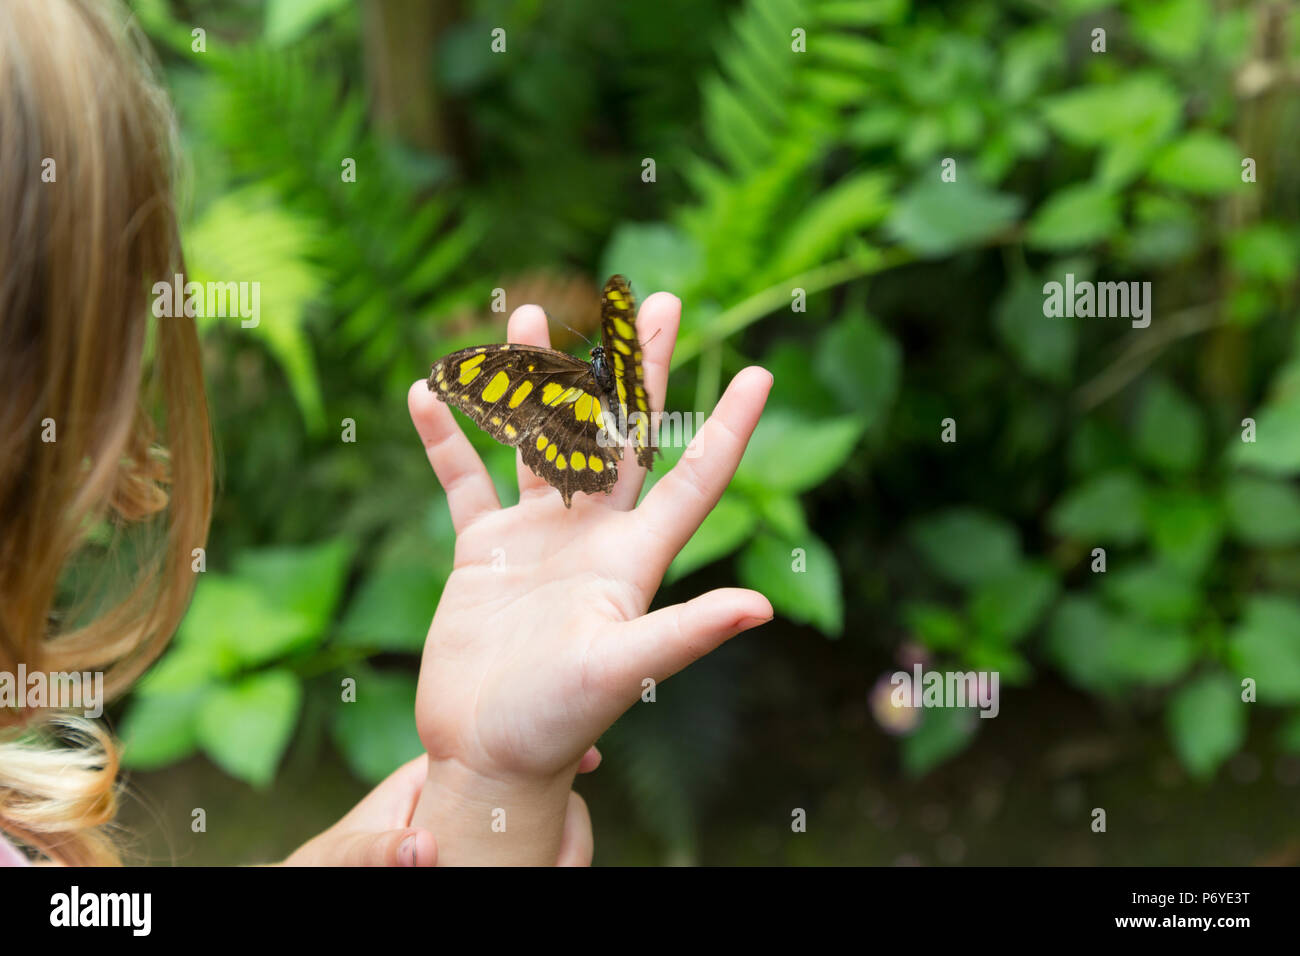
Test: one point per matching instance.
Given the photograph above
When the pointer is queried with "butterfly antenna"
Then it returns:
(651, 339)
(577, 333)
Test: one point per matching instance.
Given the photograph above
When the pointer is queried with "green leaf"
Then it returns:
(838, 212)
(395, 602)
(967, 546)
(159, 729)
(1200, 162)
(943, 733)
(1264, 250)
(245, 727)
(1107, 508)
(725, 529)
(792, 361)
(1263, 511)
(937, 627)
(280, 600)
(1174, 29)
(235, 618)
(1142, 653)
(1264, 646)
(936, 218)
(249, 236)
(189, 667)
(1207, 721)
(789, 453)
(1139, 110)
(861, 363)
(393, 608)
(782, 514)
(1043, 346)
(1169, 433)
(1077, 215)
(1103, 652)
(1186, 528)
(1008, 663)
(306, 580)
(1155, 591)
(1276, 448)
(660, 257)
(809, 596)
(376, 732)
(289, 20)
(1007, 607)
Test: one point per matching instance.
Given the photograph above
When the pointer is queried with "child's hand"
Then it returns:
(541, 639)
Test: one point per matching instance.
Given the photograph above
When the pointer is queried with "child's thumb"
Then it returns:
(405, 847)
(661, 643)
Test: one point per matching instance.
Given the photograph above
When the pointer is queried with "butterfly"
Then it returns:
(568, 418)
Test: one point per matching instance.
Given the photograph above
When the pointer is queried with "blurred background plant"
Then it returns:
(797, 207)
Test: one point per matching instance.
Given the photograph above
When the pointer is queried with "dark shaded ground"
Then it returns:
(1022, 794)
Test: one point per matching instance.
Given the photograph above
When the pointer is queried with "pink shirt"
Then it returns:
(10, 855)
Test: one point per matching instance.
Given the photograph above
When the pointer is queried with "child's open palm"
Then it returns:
(541, 638)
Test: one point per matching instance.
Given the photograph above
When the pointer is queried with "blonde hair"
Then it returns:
(80, 246)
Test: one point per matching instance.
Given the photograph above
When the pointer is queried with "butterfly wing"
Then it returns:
(542, 401)
(623, 350)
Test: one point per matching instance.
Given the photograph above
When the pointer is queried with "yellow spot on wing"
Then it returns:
(582, 409)
(560, 463)
(550, 452)
(520, 394)
(551, 393)
(469, 369)
(511, 432)
(622, 346)
(621, 326)
(597, 465)
(578, 460)
(497, 387)
(541, 442)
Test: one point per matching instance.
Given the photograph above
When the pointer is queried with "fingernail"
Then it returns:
(406, 852)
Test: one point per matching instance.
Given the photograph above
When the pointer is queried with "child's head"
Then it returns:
(87, 225)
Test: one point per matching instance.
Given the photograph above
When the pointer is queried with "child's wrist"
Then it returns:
(490, 818)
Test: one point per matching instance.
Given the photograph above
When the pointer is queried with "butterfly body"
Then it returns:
(556, 409)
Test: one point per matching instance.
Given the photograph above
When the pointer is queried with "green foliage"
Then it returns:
(800, 213)
(1207, 721)
(376, 732)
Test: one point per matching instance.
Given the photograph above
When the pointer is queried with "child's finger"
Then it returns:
(460, 471)
(590, 760)
(656, 328)
(577, 844)
(527, 326)
(683, 498)
(659, 644)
